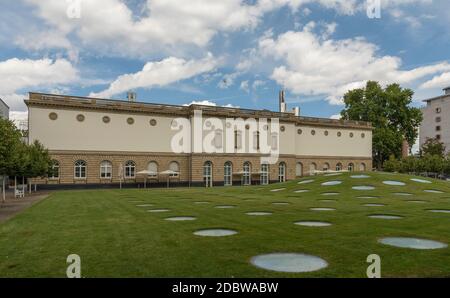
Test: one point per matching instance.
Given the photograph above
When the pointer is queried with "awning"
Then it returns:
(169, 172)
(148, 173)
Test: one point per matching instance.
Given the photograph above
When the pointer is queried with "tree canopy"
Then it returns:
(433, 147)
(18, 158)
(390, 112)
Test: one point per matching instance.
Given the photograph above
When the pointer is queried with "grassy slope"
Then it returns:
(117, 239)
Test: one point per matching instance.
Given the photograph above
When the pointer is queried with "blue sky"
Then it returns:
(233, 52)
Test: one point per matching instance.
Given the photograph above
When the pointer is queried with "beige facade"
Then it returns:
(105, 135)
(436, 120)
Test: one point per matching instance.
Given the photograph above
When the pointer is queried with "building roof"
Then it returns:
(437, 97)
(89, 103)
(1, 100)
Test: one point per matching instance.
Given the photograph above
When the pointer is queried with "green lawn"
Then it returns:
(115, 238)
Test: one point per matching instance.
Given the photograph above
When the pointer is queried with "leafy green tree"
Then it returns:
(20, 163)
(39, 161)
(433, 163)
(390, 113)
(392, 165)
(433, 147)
(9, 150)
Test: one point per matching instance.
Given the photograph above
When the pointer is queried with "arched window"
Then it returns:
(174, 167)
(299, 169)
(351, 167)
(228, 174)
(282, 172)
(339, 167)
(264, 174)
(54, 170)
(207, 174)
(312, 168)
(362, 167)
(105, 169)
(153, 167)
(80, 169)
(130, 169)
(246, 175)
(326, 166)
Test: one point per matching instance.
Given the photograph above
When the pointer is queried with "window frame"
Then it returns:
(228, 173)
(246, 173)
(282, 168)
(56, 166)
(265, 170)
(80, 169)
(130, 168)
(106, 169)
(208, 173)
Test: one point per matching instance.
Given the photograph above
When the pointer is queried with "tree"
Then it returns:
(10, 144)
(39, 161)
(433, 147)
(390, 113)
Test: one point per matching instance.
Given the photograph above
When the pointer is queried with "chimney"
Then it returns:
(447, 91)
(282, 100)
(131, 96)
(296, 111)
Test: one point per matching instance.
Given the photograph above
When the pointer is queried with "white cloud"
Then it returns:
(258, 83)
(17, 75)
(14, 101)
(336, 117)
(161, 73)
(20, 119)
(35, 40)
(245, 86)
(441, 81)
(312, 65)
(110, 26)
(209, 103)
(228, 80)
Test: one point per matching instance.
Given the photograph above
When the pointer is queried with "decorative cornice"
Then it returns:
(168, 154)
(118, 106)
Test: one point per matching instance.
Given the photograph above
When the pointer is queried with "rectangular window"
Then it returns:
(80, 172)
(228, 174)
(438, 119)
(438, 128)
(105, 172)
(129, 172)
(264, 174)
(54, 173)
(438, 137)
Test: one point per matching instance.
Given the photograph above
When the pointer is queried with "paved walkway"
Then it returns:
(12, 206)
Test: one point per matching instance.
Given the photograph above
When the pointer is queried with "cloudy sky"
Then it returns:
(226, 52)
